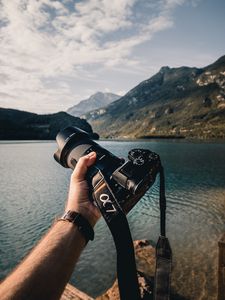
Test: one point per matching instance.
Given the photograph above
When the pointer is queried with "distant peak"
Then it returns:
(97, 94)
(95, 101)
(102, 94)
(164, 69)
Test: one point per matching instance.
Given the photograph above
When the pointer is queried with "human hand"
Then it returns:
(78, 197)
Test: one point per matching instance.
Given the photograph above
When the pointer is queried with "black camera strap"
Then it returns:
(118, 225)
(163, 250)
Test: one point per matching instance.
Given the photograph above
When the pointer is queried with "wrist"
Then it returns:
(86, 212)
(81, 223)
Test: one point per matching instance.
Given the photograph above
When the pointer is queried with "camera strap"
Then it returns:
(163, 250)
(118, 225)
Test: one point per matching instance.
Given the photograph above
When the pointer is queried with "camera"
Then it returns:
(115, 184)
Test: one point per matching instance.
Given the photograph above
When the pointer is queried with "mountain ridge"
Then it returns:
(95, 101)
(185, 101)
(17, 124)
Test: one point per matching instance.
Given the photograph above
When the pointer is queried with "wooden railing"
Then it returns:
(221, 269)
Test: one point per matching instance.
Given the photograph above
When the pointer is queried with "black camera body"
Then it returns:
(125, 182)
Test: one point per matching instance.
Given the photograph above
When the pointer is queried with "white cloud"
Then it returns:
(46, 40)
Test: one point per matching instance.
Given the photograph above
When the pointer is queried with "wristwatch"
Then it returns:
(82, 224)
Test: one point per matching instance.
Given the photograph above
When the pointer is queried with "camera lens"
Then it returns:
(74, 143)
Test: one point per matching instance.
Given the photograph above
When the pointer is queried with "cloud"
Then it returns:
(43, 41)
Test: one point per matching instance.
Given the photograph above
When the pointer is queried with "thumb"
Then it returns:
(82, 166)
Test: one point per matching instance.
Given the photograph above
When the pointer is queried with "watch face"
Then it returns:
(70, 215)
(82, 224)
(66, 215)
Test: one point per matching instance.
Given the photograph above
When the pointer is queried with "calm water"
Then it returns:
(34, 188)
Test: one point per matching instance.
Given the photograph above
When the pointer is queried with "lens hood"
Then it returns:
(65, 139)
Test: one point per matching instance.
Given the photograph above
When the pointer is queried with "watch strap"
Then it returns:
(82, 224)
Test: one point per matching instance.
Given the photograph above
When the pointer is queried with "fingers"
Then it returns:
(82, 166)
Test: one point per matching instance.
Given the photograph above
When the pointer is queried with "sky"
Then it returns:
(54, 54)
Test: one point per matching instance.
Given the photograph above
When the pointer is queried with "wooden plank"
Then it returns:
(72, 293)
(221, 269)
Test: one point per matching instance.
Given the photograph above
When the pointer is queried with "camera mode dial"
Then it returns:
(138, 156)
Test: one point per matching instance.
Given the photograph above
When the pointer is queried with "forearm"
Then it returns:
(55, 255)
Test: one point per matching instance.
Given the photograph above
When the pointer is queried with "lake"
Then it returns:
(34, 189)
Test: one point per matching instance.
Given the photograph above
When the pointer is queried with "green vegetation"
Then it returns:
(183, 101)
(21, 125)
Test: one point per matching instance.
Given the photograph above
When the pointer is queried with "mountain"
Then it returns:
(183, 101)
(17, 125)
(95, 101)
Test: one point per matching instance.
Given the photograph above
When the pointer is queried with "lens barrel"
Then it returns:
(66, 140)
(74, 143)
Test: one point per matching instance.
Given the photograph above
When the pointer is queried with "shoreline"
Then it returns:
(141, 139)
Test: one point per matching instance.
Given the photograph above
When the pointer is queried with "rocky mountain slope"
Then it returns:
(95, 101)
(16, 124)
(181, 101)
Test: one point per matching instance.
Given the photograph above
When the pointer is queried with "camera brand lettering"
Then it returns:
(105, 199)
